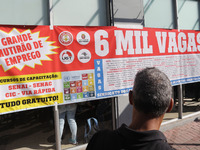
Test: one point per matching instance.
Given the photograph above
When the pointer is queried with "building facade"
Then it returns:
(111, 112)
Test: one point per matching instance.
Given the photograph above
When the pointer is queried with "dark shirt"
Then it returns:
(125, 138)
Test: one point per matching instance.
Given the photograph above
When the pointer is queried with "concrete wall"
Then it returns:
(124, 111)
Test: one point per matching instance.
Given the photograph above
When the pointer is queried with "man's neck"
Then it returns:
(141, 122)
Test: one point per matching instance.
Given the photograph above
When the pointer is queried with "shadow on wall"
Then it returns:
(125, 112)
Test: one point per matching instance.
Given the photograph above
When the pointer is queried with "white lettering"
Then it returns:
(101, 45)
(161, 45)
(198, 41)
(124, 42)
(182, 44)
(191, 42)
(138, 49)
(172, 42)
(146, 49)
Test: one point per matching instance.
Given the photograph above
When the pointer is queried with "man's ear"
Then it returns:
(130, 94)
(170, 105)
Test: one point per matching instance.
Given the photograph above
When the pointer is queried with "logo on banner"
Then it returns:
(84, 56)
(65, 38)
(19, 49)
(66, 78)
(66, 56)
(83, 38)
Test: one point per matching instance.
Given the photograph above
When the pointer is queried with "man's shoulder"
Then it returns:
(107, 135)
(161, 144)
(123, 138)
(104, 140)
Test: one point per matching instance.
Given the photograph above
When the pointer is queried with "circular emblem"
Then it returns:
(65, 38)
(66, 78)
(83, 38)
(84, 55)
(66, 56)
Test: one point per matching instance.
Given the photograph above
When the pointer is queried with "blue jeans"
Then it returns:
(70, 111)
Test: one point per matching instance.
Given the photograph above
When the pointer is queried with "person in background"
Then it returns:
(70, 111)
(150, 99)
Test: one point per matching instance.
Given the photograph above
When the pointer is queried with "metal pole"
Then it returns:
(116, 112)
(180, 88)
(180, 101)
(56, 113)
(51, 14)
(176, 14)
(111, 13)
(57, 130)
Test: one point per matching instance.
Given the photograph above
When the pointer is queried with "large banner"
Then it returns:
(40, 66)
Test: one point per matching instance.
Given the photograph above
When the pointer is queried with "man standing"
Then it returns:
(150, 99)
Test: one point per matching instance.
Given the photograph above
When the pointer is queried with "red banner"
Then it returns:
(36, 61)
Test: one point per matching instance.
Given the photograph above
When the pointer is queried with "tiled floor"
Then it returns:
(185, 137)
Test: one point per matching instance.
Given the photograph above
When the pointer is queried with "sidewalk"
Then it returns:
(181, 134)
(185, 137)
(31, 132)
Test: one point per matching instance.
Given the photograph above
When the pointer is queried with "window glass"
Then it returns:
(35, 129)
(159, 14)
(188, 14)
(80, 12)
(24, 12)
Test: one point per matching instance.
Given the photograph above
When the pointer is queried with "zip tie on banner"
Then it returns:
(51, 27)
